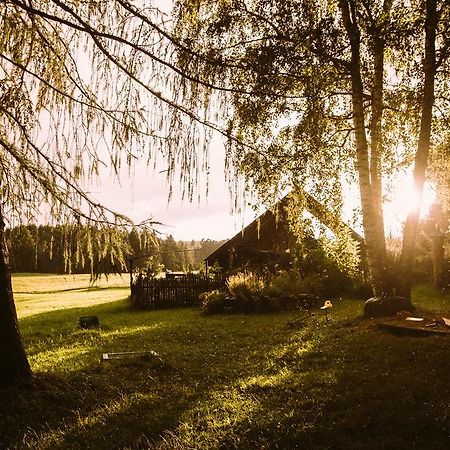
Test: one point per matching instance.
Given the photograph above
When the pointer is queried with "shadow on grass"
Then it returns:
(228, 382)
(82, 400)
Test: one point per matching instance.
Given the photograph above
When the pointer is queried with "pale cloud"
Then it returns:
(143, 193)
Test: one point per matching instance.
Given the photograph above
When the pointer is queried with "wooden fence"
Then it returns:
(153, 293)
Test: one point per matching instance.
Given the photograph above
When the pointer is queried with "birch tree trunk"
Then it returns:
(14, 364)
(371, 222)
(376, 149)
(423, 149)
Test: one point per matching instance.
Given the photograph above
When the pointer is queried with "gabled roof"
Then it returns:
(263, 235)
(270, 229)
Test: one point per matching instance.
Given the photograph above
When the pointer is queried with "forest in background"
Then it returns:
(56, 249)
(49, 249)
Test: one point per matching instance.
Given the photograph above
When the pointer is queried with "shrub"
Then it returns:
(212, 302)
(288, 289)
(285, 283)
(313, 284)
(245, 283)
(247, 289)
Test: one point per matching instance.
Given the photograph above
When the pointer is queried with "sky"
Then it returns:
(143, 193)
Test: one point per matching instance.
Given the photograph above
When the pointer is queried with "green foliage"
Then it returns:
(315, 273)
(292, 283)
(254, 293)
(95, 108)
(152, 267)
(325, 270)
(246, 288)
(212, 302)
(145, 249)
(322, 92)
(284, 283)
(23, 255)
(296, 114)
(314, 283)
(68, 248)
(245, 284)
(439, 169)
(344, 252)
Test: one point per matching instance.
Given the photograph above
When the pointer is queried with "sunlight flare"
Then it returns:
(404, 198)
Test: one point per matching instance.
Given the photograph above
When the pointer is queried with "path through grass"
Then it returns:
(230, 382)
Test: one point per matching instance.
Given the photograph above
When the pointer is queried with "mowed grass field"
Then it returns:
(229, 381)
(38, 293)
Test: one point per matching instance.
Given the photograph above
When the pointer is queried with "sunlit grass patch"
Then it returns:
(292, 349)
(426, 296)
(45, 282)
(267, 381)
(41, 293)
(128, 331)
(32, 304)
(60, 360)
(213, 422)
(76, 349)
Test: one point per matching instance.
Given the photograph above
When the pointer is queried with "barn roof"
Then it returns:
(269, 232)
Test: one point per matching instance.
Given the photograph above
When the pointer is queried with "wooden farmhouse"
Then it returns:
(263, 241)
(266, 240)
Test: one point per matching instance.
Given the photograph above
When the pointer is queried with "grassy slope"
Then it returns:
(229, 382)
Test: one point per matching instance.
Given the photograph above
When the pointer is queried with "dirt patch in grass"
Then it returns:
(423, 321)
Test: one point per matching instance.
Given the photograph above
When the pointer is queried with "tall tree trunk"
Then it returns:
(14, 364)
(438, 241)
(376, 149)
(423, 149)
(371, 225)
(440, 222)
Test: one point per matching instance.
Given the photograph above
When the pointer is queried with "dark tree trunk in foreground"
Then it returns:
(423, 149)
(14, 364)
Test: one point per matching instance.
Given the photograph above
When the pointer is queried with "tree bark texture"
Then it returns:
(14, 364)
(371, 223)
(423, 149)
(376, 144)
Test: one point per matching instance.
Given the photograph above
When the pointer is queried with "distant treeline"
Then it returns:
(44, 249)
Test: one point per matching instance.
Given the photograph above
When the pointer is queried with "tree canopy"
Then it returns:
(83, 84)
(305, 93)
(327, 90)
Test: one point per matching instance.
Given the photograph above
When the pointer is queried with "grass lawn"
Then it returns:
(230, 382)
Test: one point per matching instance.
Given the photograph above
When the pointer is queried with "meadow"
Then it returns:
(225, 381)
(39, 293)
